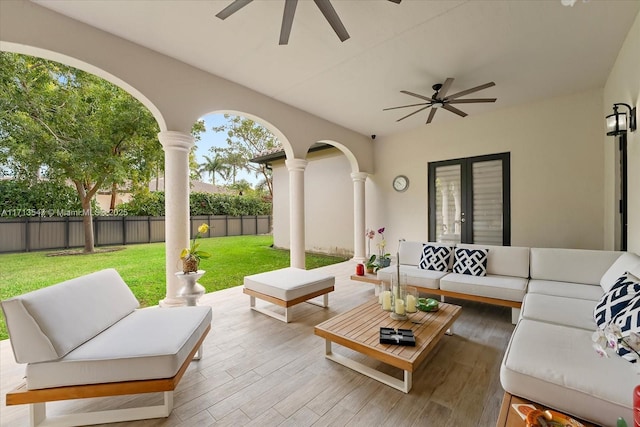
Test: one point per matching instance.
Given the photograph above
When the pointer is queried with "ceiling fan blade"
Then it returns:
(431, 114)
(426, 98)
(454, 110)
(471, 100)
(287, 20)
(232, 8)
(445, 88)
(473, 89)
(415, 112)
(395, 1)
(332, 17)
(405, 106)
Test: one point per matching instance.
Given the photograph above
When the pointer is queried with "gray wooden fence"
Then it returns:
(39, 233)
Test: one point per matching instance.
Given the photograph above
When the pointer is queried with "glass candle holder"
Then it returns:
(398, 304)
(411, 299)
(384, 297)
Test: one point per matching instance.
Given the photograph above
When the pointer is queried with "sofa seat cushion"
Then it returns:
(559, 310)
(149, 343)
(566, 289)
(289, 283)
(557, 366)
(415, 276)
(499, 287)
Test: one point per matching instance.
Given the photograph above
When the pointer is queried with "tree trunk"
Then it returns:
(87, 222)
(87, 217)
(114, 194)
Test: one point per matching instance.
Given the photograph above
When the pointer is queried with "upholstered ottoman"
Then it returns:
(287, 287)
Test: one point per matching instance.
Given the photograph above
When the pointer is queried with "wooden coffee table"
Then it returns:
(359, 330)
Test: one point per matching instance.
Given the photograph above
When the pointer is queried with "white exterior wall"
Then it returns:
(556, 169)
(328, 203)
(623, 85)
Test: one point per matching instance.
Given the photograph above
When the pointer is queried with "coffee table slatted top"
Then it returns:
(359, 330)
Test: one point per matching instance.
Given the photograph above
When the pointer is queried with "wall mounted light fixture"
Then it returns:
(617, 123)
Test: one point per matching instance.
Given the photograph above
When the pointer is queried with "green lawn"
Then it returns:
(142, 267)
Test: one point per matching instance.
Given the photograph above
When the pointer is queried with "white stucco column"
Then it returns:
(359, 238)
(176, 147)
(296, 169)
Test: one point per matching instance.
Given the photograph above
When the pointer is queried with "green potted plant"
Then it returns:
(371, 264)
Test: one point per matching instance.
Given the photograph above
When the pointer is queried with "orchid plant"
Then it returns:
(611, 337)
(381, 246)
(191, 256)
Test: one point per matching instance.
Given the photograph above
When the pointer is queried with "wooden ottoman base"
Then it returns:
(286, 304)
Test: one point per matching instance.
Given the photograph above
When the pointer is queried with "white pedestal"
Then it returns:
(191, 290)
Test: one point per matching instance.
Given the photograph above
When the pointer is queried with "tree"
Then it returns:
(214, 166)
(73, 126)
(246, 140)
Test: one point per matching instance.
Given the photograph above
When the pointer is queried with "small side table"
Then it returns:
(509, 417)
(367, 278)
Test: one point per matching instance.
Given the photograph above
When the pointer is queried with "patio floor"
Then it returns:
(260, 371)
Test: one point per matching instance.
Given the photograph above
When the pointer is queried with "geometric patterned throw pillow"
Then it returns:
(629, 321)
(616, 299)
(471, 261)
(435, 258)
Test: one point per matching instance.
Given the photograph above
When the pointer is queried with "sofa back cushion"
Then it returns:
(411, 252)
(48, 323)
(504, 260)
(571, 265)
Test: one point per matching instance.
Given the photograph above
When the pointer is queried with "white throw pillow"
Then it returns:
(471, 261)
(626, 288)
(435, 258)
(628, 261)
(629, 321)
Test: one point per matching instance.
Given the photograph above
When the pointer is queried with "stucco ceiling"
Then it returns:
(530, 49)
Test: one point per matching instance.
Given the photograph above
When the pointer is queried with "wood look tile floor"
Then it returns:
(258, 371)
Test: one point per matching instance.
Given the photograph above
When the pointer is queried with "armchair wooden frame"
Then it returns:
(37, 398)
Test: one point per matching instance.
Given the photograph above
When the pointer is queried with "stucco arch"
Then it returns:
(286, 145)
(176, 93)
(353, 160)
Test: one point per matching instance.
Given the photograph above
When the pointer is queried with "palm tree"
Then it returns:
(234, 162)
(214, 166)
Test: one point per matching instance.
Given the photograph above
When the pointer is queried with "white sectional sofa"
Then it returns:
(505, 282)
(550, 358)
(86, 337)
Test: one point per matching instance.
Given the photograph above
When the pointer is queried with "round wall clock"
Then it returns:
(400, 183)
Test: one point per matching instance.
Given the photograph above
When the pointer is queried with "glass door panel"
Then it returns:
(487, 202)
(448, 204)
(469, 200)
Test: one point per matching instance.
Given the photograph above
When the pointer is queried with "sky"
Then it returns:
(211, 139)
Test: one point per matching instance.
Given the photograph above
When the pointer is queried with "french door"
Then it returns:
(469, 200)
